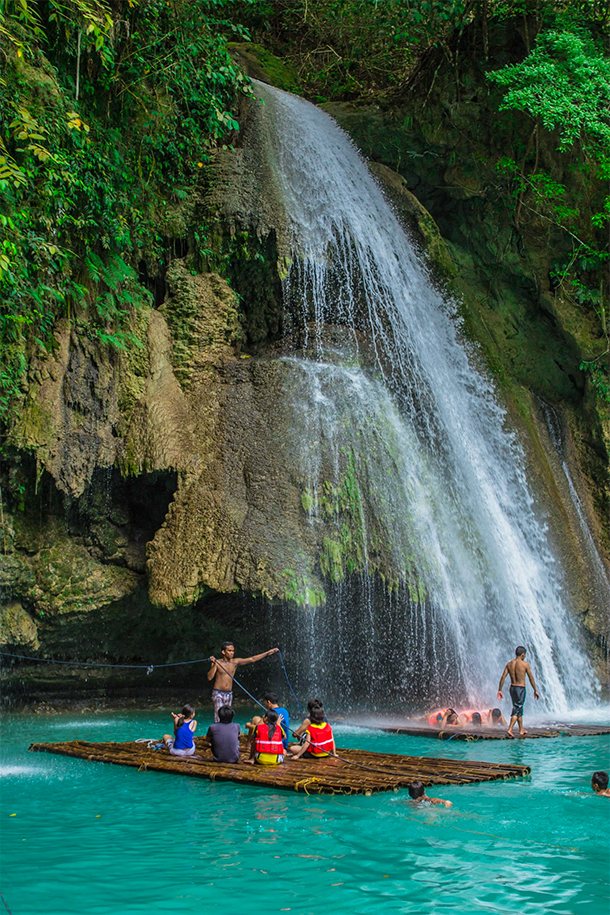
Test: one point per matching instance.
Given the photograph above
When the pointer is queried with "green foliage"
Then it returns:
(565, 83)
(598, 375)
(109, 112)
(340, 505)
(347, 48)
(300, 590)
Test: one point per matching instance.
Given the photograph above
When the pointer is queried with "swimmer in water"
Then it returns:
(599, 784)
(418, 795)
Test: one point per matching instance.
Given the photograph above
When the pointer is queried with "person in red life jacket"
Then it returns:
(472, 718)
(319, 741)
(267, 746)
(271, 704)
(182, 743)
(444, 717)
(302, 728)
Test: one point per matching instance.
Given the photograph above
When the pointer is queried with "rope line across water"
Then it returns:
(149, 668)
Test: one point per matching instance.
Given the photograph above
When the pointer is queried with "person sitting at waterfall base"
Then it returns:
(418, 795)
(517, 669)
(495, 718)
(443, 717)
(222, 672)
(267, 742)
(182, 743)
(599, 784)
(471, 718)
(318, 740)
(224, 737)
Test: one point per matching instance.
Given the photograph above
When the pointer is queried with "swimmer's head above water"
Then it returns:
(599, 781)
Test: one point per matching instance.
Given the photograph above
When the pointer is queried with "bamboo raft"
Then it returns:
(557, 730)
(357, 772)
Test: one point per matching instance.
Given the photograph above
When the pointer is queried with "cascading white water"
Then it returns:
(405, 401)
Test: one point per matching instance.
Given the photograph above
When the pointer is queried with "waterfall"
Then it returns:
(439, 564)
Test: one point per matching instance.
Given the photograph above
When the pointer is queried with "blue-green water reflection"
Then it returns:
(82, 837)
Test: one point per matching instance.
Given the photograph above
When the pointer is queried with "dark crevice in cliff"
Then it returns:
(117, 516)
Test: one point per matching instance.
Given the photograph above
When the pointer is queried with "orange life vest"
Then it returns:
(321, 737)
(264, 745)
(436, 717)
(470, 712)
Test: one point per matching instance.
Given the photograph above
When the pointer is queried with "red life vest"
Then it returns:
(470, 712)
(436, 717)
(264, 745)
(321, 737)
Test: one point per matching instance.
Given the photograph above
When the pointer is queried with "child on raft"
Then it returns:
(182, 743)
(267, 741)
(313, 703)
(318, 741)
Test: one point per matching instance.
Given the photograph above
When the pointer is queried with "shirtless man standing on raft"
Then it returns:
(223, 671)
(517, 670)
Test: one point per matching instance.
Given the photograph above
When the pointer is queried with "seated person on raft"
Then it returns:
(418, 795)
(443, 718)
(182, 743)
(267, 741)
(224, 737)
(472, 719)
(599, 784)
(318, 739)
(300, 731)
(495, 718)
(271, 704)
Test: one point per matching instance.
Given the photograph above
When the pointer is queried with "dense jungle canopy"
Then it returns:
(111, 111)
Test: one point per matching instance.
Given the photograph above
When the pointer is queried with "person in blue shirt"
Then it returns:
(182, 743)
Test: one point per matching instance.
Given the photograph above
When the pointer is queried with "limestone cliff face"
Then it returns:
(168, 471)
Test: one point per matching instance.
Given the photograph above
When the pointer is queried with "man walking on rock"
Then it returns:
(223, 671)
(517, 670)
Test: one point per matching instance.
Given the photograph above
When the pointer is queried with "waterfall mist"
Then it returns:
(440, 563)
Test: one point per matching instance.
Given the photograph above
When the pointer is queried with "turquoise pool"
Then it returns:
(81, 837)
